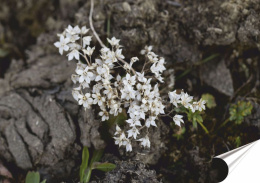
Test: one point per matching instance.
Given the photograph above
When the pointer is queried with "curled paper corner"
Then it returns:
(238, 165)
(220, 168)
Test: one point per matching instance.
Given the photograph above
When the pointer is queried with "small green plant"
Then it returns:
(86, 167)
(33, 177)
(180, 133)
(210, 100)
(196, 118)
(239, 111)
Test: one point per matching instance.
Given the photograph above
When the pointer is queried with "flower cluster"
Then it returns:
(100, 84)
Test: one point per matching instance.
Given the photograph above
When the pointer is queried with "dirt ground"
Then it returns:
(41, 126)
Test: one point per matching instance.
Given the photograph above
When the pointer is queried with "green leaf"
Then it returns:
(240, 110)
(32, 177)
(96, 156)
(105, 167)
(87, 175)
(3, 52)
(210, 100)
(238, 141)
(84, 163)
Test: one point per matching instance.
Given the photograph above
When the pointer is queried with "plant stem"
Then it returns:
(204, 128)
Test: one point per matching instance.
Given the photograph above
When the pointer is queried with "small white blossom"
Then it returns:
(150, 121)
(86, 41)
(146, 50)
(104, 115)
(134, 121)
(72, 31)
(119, 54)
(73, 54)
(62, 44)
(133, 132)
(145, 142)
(98, 99)
(84, 30)
(118, 130)
(129, 80)
(128, 146)
(185, 100)
(89, 51)
(85, 100)
(113, 41)
(85, 75)
(178, 119)
(174, 98)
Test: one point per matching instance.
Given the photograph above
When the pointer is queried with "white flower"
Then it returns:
(86, 41)
(201, 105)
(89, 51)
(98, 99)
(85, 75)
(141, 77)
(97, 87)
(104, 115)
(118, 130)
(157, 107)
(150, 121)
(133, 132)
(103, 72)
(145, 142)
(85, 100)
(62, 45)
(134, 121)
(74, 46)
(178, 119)
(119, 54)
(146, 50)
(73, 54)
(174, 98)
(128, 92)
(74, 78)
(115, 107)
(75, 93)
(121, 140)
(84, 30)
(128, 146)
(72, 38)
(72, 31)
(185, 100)
(113, 41)
(129, 80)
(108, 91)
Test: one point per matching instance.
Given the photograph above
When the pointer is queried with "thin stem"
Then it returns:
(96, 35)
(91, 24)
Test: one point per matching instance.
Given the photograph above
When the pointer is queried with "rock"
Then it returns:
(132, 172)
(217, 75)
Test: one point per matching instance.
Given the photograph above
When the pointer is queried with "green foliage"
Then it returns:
(239, 111)
(3, 52)
(210, 100)
(84, 164)
(105, 167)
(196, 118)
(86, 168)
(238, 141)
(180, 133)
(33, 177)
